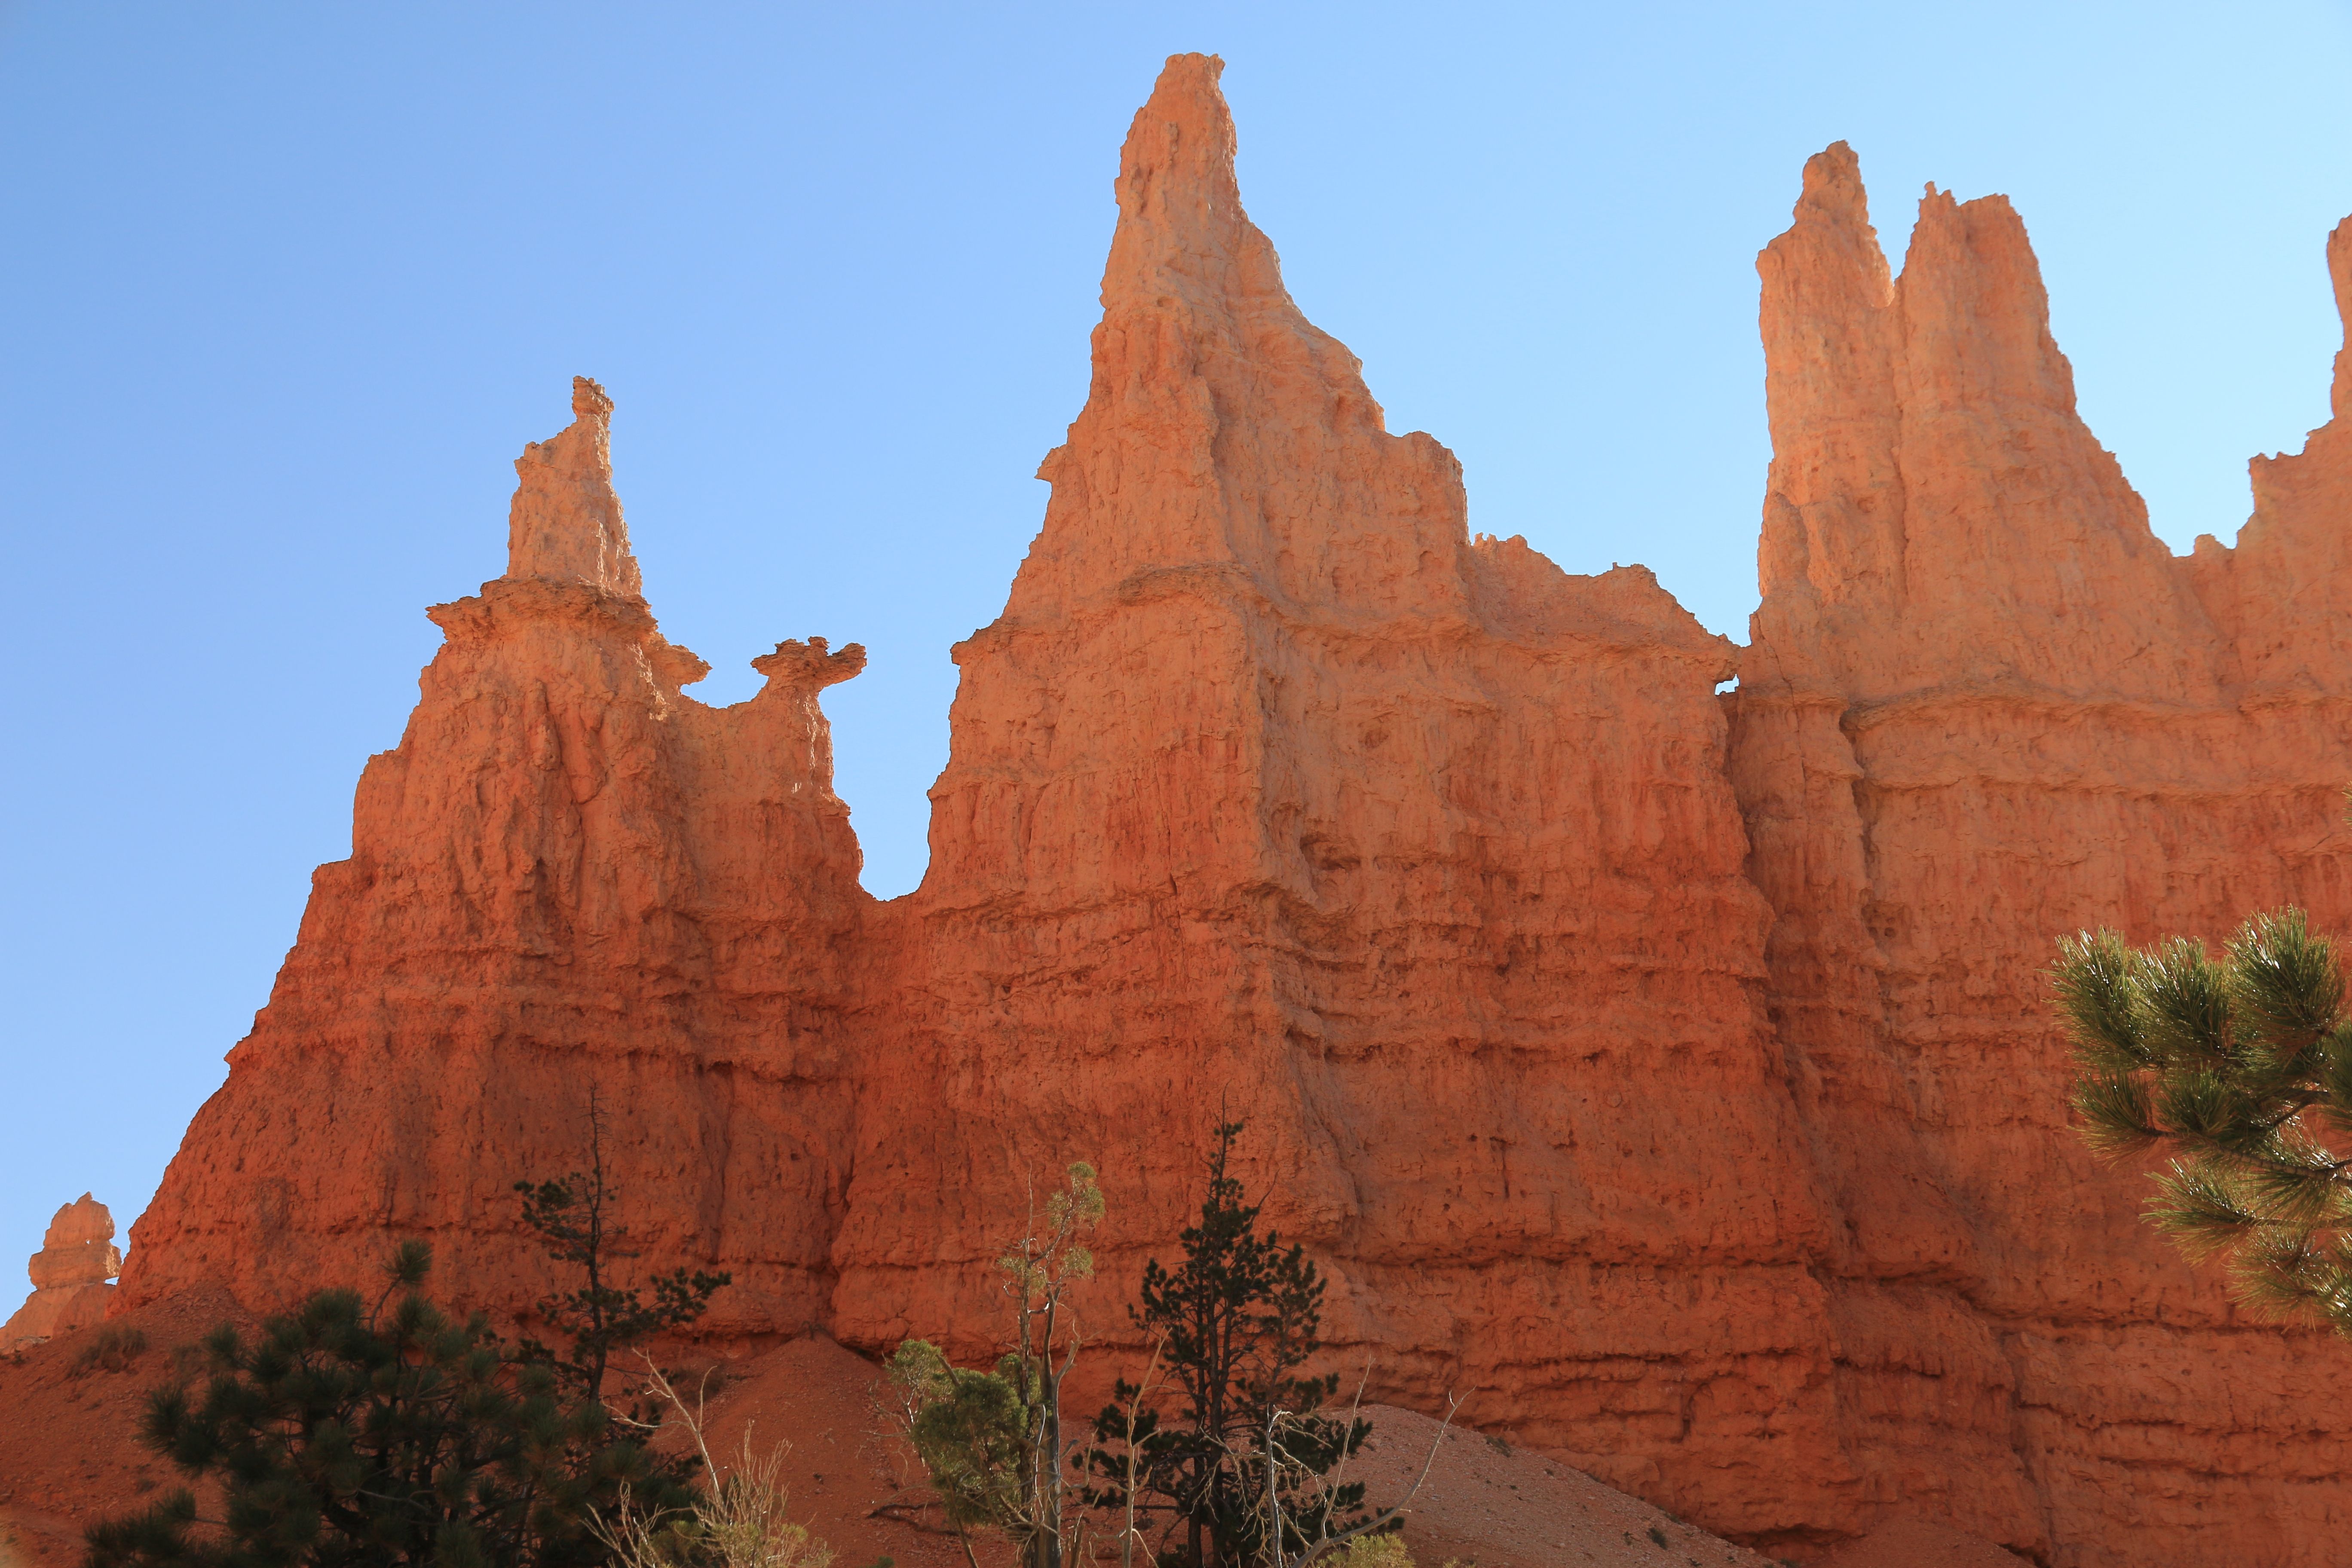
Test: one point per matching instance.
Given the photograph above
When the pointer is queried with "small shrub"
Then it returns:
(1374, 1551)
(113, 1350)
(1501, 1444)
(973, 1431)
(740, 1520)
(1657, 1535)
(994, 1442)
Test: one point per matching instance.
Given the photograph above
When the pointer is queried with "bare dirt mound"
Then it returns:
(1487, 1502)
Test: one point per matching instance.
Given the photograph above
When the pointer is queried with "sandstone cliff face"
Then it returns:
(1274, 790)
(1666, 1072)
(1985, 707)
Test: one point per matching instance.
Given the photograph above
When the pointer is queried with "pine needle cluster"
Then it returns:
(2241, 1068)
(351, 1435)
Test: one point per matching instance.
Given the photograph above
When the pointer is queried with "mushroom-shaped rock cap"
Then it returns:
(809, 665)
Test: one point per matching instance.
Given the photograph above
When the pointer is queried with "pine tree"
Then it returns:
(2242, 1069)
(572, 1218)
(1237, 1321)
(345, 1435)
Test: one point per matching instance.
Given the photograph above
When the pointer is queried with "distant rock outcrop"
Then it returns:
(71, 1275)
(1665, 1071)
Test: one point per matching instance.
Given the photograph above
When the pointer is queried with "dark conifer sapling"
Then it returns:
(1238, 1321)
(571, 1215)
(347, 1435)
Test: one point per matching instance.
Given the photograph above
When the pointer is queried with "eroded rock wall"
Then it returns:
(568, 879)
(1985, 707)
(1274, 790)
(1665, 1071)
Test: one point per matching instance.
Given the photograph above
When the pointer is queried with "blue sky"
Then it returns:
(286, 288)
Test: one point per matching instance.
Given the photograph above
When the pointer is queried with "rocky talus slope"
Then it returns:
(1663, 1071)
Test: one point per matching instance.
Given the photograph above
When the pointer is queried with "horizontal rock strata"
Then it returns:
(1984, 706)
(1665, 1071)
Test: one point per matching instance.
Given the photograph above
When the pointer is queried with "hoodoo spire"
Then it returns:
(1181, 224)
(1222, 428)
(565, 525)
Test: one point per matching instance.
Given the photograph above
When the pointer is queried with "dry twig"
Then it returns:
(738, 1521)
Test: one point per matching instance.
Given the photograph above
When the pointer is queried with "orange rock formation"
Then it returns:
(1664, 1071)
(1983, 707)
(567, 875)
(71, 1275)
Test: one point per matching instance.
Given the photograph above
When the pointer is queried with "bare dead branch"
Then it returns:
(742, 1516)
(1387, 1516)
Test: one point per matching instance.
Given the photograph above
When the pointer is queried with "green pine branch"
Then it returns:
(2240, 1066)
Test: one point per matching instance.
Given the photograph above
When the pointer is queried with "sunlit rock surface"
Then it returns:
(1666, 1073)
(71, 1275)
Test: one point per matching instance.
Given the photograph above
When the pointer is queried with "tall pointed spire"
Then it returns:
(1976, 322)
(1830, 340)
(1222, 428)
(1938, 509)
(1182, 229)
(565, 525)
